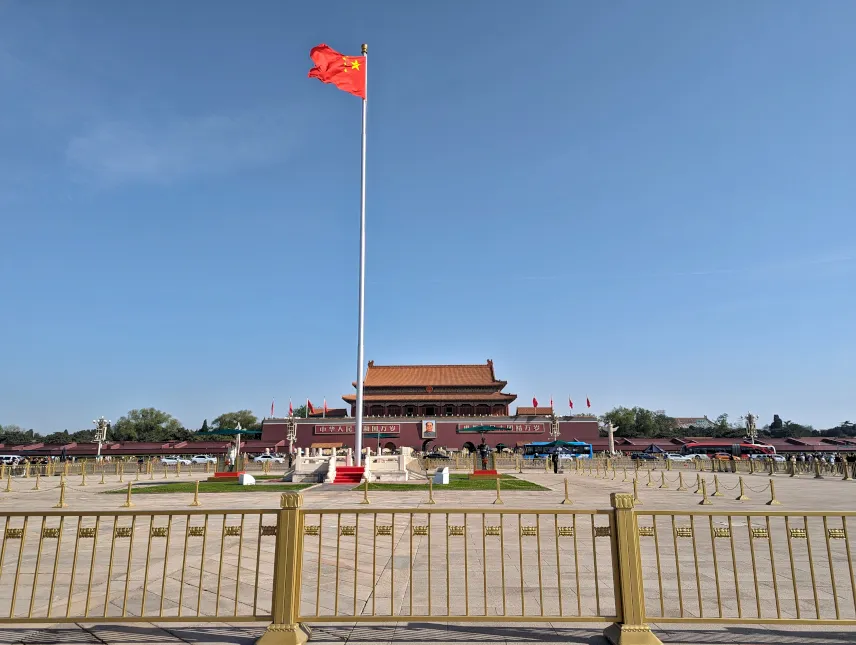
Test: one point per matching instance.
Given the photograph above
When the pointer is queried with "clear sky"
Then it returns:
(650, 203)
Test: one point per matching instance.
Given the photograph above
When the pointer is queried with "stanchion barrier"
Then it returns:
(498, 499)
(196, 501)
(793, 468)
(120, 468)
(102, 476)
(716, 492)
(365, 492)
(190, 470)
(9, 481)
(128, 503)
(663, 483)
(61, 503)
(165, 471)
(567, 499)
(177, 469)
(704, 500)
(650, 483)
(681, 486)
(431, 491)
(83, 476)
(773, 501)
(846, 467)
(742, 496)
(817, 474)
(697, 491)
(636, 499)
(151, 470)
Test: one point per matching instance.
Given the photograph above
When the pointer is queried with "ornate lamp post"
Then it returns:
(101, 426)
(751, 430)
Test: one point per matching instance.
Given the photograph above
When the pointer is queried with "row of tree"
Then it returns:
(147, 424)
(639, 422)
(150, 424)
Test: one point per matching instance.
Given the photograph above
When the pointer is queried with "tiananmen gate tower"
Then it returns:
(432, 406)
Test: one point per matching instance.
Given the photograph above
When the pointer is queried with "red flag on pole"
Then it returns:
(271, 408)
(290, 409)
(309, 407)
(534, 402)
(588, 402)
(325, 406)
(551, 402)
(570, 403)
(348, 73)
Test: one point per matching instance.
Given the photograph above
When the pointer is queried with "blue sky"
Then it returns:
(647, 203)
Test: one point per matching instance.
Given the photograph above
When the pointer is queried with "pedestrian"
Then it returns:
(556, 463)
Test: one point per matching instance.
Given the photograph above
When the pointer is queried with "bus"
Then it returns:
(573, 450)
(740, 450)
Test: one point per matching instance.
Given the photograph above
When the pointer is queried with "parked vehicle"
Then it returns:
(673, 457)
(9, 460)
(437, 455)
(172, 460)
(646, 456)
(203, 459)
(273, 459)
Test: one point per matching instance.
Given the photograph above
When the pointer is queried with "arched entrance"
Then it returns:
(426, 443)
(390, 446)
(468, 445)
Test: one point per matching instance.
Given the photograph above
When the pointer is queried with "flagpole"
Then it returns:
(358, 434)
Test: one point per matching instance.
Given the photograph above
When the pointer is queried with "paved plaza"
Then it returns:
(589, 493)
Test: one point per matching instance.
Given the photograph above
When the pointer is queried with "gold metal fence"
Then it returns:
(137, 566)
(292, 566)
(754, 566)
(462, 565)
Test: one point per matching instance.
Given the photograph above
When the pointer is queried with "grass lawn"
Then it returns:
(211, 487)
(460, 481)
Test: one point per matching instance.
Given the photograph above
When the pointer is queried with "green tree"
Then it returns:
(148, 424)
(14, 435)
(83, 436)
(300, 411)
(204, 427)
(639, 422)
(57, 438)
(230, 421)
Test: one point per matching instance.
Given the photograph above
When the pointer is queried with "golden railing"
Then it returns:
(137, 566)
(441, 564)
(292, 566)
(755, 566)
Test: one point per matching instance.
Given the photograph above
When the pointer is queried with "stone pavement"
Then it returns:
(800, 493)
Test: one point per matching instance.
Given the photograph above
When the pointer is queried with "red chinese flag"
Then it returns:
(271, 409)
(310, 406)
(290, 409)
(325, 406)
(534, 402)
(588, 403)
(570, 403)
(551, 402)
(348, 73)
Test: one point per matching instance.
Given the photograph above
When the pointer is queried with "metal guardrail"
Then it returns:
(136, 566)
(292, 566)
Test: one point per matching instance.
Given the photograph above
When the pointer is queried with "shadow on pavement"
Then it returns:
(145, 634)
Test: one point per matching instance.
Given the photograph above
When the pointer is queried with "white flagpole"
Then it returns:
(358, 435)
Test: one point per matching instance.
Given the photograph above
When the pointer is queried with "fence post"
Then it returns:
(285, 630)
(632, 629)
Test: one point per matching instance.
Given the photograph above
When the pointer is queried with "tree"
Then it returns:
(14, 435)
(148, 424)
(57, 438)
(204, 427)
(639, 422)
(230, 421)
(300, 411)
(777, 422)
(83, 436)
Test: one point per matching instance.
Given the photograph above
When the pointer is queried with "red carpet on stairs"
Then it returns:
(348, 474)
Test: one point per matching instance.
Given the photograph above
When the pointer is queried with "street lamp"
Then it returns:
(101, 426)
